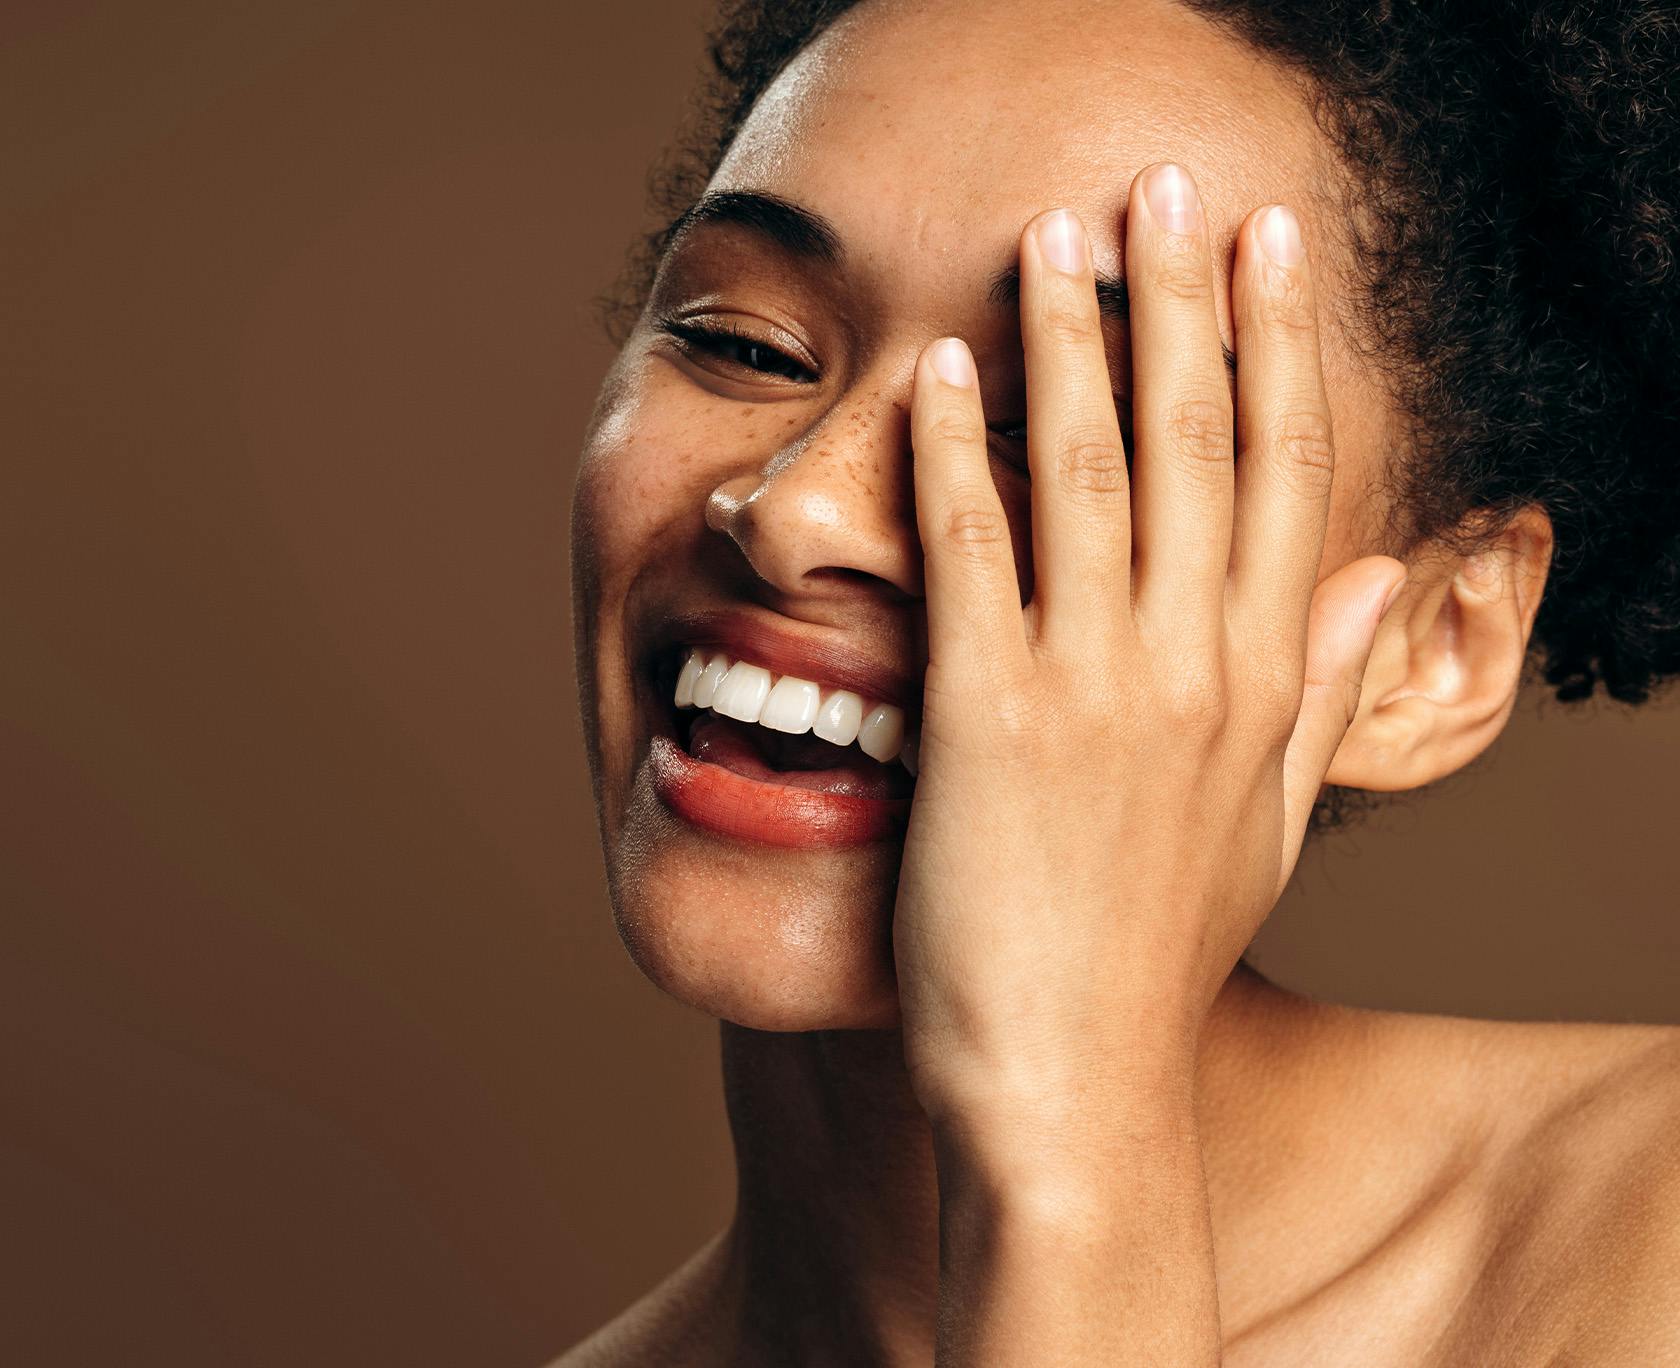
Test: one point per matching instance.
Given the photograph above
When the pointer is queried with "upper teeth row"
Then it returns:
(750, 693)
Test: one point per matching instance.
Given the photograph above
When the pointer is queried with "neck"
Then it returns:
(834, 1251)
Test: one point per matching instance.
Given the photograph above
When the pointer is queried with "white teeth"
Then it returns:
(881, 733)
(912, 750)
(791, 707)
(692, 666)
(839, 716)
(743, 691)
(705, 687)
(786, 703)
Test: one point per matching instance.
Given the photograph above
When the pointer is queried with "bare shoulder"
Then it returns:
(1611, 1156)
(1584, 1235)
(1565, 1151)
(676, 1325)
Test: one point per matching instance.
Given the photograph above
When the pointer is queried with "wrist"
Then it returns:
(1035, 1156)
(996, 1092)
(1083, 1210)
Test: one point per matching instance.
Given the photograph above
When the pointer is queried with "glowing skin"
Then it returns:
(771, 512)
(703, 486)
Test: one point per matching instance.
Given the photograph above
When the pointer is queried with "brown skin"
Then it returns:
(1377, 1189)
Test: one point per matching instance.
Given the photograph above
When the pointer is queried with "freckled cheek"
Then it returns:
(649, 464)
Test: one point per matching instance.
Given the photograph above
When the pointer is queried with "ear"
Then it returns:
(1447, 661)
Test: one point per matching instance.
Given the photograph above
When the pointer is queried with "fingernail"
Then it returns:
(1280, 236)
(952, 362)
(1061, 238)
(1172, 199)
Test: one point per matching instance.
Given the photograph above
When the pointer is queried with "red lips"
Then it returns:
(747, 801)
(718, 800)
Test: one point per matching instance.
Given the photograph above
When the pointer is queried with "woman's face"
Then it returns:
(745, 484)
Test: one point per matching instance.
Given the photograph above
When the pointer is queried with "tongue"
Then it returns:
(771, 757)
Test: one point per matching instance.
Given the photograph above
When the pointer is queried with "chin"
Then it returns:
(766, 938)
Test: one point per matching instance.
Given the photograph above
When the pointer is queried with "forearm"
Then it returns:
(1096, 1250)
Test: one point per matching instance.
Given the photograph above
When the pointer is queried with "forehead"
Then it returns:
(939, 127)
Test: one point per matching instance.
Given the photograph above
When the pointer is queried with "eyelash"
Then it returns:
(718, 340)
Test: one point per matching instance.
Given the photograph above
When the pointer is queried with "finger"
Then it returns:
(1081, 496)
(1342, 625)
(973, 596)
(1181, 405)
(1287, 457)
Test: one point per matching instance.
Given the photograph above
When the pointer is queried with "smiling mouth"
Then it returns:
(780, 729)
(803, 762)
(776, 759)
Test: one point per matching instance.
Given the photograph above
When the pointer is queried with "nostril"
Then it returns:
(841, 574)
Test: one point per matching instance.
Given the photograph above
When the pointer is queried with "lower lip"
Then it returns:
(729, 804)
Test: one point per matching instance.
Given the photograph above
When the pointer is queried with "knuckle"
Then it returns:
(1286, 306)
(992, 703)
(983, 693)
(1069, 323)
(1194, 701)
(975, 524)
(1202, 430)
(1340, 694)
(1181, 270)
(1013, 716)
(1193, 713)
(1092, 463)
(956, 428)
(1304, 440)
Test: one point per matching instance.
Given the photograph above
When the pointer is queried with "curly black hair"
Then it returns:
(1513, 207)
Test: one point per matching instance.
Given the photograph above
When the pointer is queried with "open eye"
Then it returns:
(737, 348)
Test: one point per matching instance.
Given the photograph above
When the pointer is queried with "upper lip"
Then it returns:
(823, 659)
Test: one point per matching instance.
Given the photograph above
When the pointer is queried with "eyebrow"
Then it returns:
(1112, 301)
(790, 226)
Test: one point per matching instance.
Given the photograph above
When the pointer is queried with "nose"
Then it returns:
(833, 507)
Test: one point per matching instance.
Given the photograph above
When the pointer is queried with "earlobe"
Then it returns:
(1447, 662)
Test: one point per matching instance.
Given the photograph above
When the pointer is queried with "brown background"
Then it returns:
(316, 1045)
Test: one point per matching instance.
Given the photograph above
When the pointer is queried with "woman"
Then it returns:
(975, 614)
